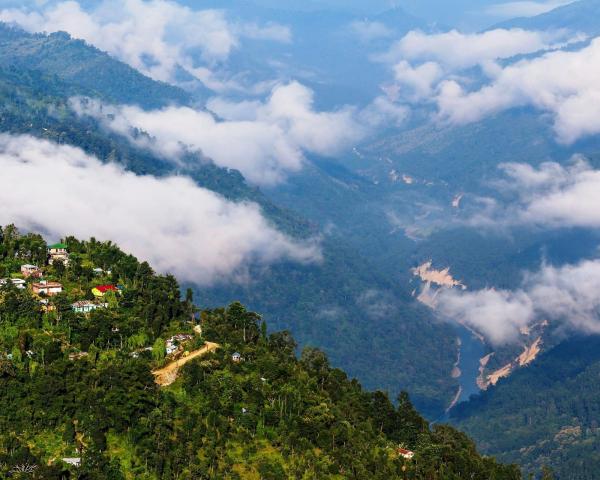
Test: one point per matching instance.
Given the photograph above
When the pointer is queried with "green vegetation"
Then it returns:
(79, 386)
(84, 66)
(546, 414)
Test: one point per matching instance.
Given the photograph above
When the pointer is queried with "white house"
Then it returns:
(17, 282)
(85, 306)
(175, 341)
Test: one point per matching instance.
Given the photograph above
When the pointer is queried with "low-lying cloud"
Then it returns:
(263, 140)
(175, 225)
(455, 50)
(569, 295)
(156, 37)
(563, 83)
(468, 77)
(548, 196)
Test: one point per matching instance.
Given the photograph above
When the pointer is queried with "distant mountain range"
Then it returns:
(580, 16)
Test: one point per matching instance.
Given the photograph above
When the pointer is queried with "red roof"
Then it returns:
(106, 288)
(405, 453)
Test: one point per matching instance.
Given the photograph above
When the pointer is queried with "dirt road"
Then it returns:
(168, 374)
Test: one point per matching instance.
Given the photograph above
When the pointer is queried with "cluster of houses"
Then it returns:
(176, 341)
(99, 292)
(48, 288)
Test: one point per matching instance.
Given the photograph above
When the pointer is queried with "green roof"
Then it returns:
(57, 246)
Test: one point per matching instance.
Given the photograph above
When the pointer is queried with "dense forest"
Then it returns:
(546, 414)
(80, 399)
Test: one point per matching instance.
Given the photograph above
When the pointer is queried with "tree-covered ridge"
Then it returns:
(84, 66)
(37, 104)
(78, 387)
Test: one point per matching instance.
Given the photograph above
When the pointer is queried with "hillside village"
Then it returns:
(64, 279)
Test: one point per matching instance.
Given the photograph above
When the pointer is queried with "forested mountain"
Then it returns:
(84, 66)
(333, 304)
(546, 414)
(78, 350)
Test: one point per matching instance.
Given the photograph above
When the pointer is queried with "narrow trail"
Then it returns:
(168, 374)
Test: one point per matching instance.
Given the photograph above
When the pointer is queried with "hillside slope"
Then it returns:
(84, 66)
(79, 398)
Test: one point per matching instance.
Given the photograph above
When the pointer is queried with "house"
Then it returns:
(31, 271)
(58, 252)
(175, 341)
(57, 249)
(405, 453)
(73, 461)
(236, 357)
(99, 271)
(85, 306)
(102, 290)
(17, 282)
(47, 288)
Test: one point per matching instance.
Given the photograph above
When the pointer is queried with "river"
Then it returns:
(471, 350)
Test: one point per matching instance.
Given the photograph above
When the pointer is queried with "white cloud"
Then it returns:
(420, 80)
(384, 112)
(568, 295)
(524, 8)
(553, 195)
(263, 140)
(455, 50)
(471, 76)
(368, 31)
(175, 225)
(154, 36)
(563, 83)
